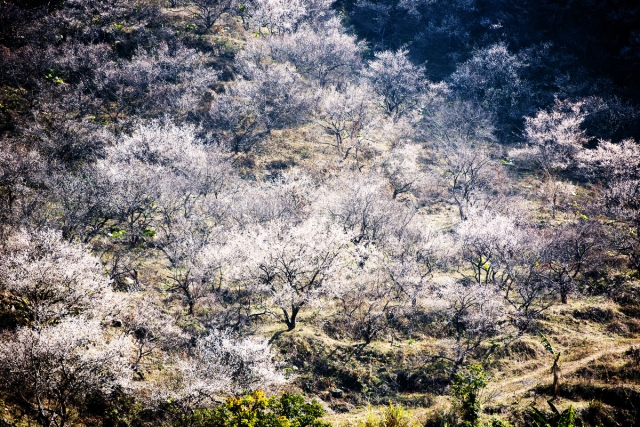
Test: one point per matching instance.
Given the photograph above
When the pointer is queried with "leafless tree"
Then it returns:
(47, 279)
(346, 114)
(218, 363)
(368, 301)
(363, 206)
(397, 81)
(403, 169)
(50, 370)
(272, 98)
(461, 136)
(492, 77)
(294, 266)
(413, 254)
(281, 16)
(198, 272)
(555, 138)
(511, 257)
(617, 167)
(153, 332)
(475, 313)
(289, 199)
(466, 170)
(572, 251)
(209, 11)
(21, 172)
(328, 55)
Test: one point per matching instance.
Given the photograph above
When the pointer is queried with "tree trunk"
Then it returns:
(191, 303)
(564, 298)
(290, 321)
(556, 370)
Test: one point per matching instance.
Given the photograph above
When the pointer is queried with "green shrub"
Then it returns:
(258, 410)
(566, 418)
(466, 389)
(393, 416)
(497, 422)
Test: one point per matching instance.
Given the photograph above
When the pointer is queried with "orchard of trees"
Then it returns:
(205, 201)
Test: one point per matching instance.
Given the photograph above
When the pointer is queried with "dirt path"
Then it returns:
(524, 383)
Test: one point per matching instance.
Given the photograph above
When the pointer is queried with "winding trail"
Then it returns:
(526, 382)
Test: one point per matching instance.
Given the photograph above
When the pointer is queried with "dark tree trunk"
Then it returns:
(290, 321)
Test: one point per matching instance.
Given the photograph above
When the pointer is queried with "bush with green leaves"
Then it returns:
(259, 410)
(466, 388)
(496, 422)
(566, 418)
(393, 416)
